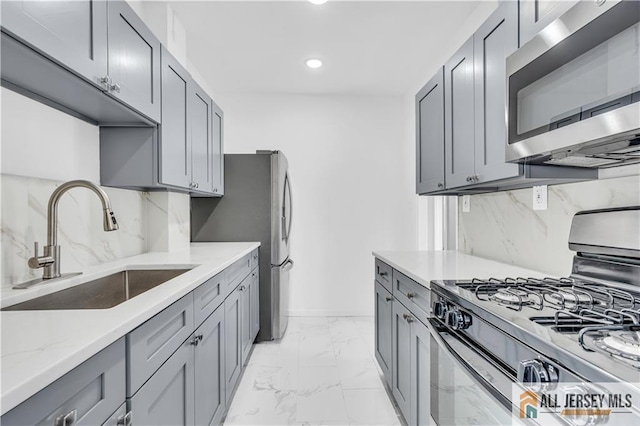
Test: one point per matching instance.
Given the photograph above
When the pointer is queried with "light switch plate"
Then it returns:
(466, 203)
(540, 197)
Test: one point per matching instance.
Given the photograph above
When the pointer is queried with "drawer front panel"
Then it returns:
(209, 296)
(412, 295)
(383, 274)
(151, 344)
(237, 272)
(255, 258)
(89, 392)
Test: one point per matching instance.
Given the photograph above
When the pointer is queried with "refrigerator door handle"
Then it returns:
(286, 221)
(288, 265)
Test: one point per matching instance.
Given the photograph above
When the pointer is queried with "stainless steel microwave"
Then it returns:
(574, 89)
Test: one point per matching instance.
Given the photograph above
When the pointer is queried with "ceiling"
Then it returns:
(368, 47)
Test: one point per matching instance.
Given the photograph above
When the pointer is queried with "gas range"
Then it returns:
(584, 328)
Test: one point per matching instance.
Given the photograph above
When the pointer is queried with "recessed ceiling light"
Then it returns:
(318, 1)
(314, 63)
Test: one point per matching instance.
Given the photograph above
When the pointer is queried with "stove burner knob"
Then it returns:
(458, 320)
(440, 309)
(537, 373)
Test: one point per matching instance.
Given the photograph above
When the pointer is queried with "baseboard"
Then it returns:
(328, 313)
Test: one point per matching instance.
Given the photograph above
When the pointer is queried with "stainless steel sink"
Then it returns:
(102, 293)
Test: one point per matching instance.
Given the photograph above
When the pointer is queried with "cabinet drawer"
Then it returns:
(412, 295)
(209, 296)
(237, 272)
(120, 417)
(93, 390)
(255, 259)
(151, 344)
(383, 274)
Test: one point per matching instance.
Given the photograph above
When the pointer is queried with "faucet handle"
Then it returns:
(39, 261)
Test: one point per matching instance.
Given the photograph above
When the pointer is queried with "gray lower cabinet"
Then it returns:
(537, 14)
(383, 335)
(401, 357)
(133, 60)
(246, 301)
(210, 395)
(430, 135)
(73, 33)
(87, 395)
(167, 398)
(420, 413)
(459, 115)
(255, 303)
(233, 341)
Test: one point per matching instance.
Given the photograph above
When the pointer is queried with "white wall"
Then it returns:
(352, 172)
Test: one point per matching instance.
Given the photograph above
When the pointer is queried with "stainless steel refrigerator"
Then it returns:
(256, 206)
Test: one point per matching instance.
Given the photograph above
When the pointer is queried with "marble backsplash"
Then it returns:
(503, 226)
(147, 222)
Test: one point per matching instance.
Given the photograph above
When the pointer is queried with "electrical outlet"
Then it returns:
(466, 203)
(540, 197)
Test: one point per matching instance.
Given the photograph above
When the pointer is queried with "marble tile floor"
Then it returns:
(323, 372)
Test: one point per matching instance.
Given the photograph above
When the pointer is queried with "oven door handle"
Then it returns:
(484, 372)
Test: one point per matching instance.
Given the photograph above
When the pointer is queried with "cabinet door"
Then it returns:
(72, 33)
(218, 150)
(430, 135)
(201, 140)
(133, 60)
(209, 370)
(167, 398)
(537, 14)
(255, 303)
(401, 357)
(383, 313)
(174, 131)
(420, 375)
(246, 300)
(459, 117)
(496, 39)
(232, 342)
(87, 395)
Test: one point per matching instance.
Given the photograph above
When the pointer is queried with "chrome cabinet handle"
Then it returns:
(196, 340)
(383, 274)
(407, 318)
(411, 295)
(68, 419)
(242, 288)
(114, 87)
(440, 185)
(105, 81)
(388, 299)
(126, 420)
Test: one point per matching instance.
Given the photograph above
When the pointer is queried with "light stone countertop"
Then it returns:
(39, 347)
(425, 266)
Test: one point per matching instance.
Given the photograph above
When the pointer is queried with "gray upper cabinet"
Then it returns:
(174, 133)
(459, 117)
(201, 140)
(72, 33)
(134, 60)
(430, 136)
(167, 398)
(496, 39)
(537, 14)
(217, 182)
(210, 392)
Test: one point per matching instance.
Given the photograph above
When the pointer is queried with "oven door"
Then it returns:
(467, 386)
(575, 87)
